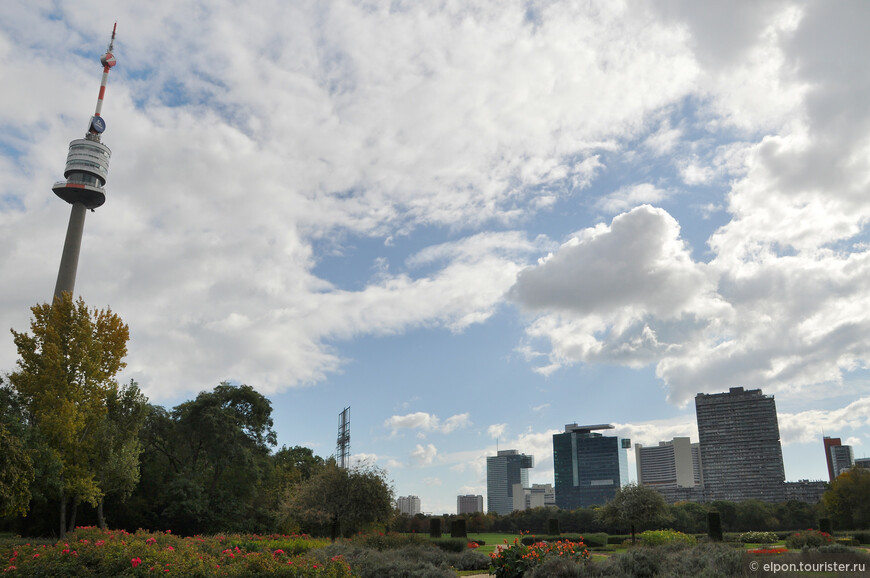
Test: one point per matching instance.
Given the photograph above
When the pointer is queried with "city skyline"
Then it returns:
(472, 223)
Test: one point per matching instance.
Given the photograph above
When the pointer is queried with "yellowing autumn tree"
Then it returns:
(65, 373)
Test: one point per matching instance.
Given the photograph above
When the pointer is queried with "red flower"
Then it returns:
(135, 561)
(473, 545)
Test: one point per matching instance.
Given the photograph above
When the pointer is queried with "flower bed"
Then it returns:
(94, 552)
(517, 559)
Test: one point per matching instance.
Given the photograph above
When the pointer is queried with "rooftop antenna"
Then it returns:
(87, 167)
(342, 445)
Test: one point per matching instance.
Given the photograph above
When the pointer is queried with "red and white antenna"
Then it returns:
(108, 61)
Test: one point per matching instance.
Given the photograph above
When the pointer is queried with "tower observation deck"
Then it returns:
(87, 167)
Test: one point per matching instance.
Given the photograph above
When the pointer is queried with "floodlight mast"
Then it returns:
(87, 167)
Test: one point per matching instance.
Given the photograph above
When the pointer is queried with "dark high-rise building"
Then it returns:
(588, 466)
(841, 459)
(504, 470)
(741, 455)
(838, 457)
(830, 443)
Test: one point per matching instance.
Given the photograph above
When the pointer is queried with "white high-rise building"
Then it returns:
(469, 504)
(409, 505)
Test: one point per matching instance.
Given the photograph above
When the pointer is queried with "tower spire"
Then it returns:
(87, 167)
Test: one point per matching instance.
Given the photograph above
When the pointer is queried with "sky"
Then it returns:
(472, 222)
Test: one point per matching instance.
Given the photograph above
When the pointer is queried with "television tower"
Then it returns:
(87, 166)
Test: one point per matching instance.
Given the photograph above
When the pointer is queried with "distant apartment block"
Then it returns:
(409, 505)
(805, 491)
(673, 468)
(549, 493)
(740, 450)
(528, 498)
(862, 463)
(503, 472)
(588, 466)
(469, 504)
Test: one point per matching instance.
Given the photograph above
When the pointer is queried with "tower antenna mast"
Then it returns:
(87, 167)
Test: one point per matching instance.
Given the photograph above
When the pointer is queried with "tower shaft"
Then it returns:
(69, 261)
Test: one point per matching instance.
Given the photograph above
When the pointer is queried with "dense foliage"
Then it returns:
(64, 375)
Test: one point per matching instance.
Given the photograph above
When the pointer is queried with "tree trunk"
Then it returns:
(72, 517)
(101, 521)
(334, 529)
(62, 514)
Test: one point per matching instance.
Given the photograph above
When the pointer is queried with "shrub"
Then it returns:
(661, 537)
(758, 537)
(93, 552)
(807, 539)
(517, 559)
(388, 541)
(674, 561)
(435, 527)
(452, 545)
(417, 561)
(862, 537)
(714, 526)
(825, 526)
(553, 527)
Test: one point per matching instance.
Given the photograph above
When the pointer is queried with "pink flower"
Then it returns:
(135, 561)
(170, 548)
(150, 541)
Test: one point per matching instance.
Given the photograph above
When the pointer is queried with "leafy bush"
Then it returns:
(807, 539)
(862, 537)
(673, 561)
(388, 541)
(758, 537)
(660, 537)
(714, 526)
(517, 559)
(417, 561)
(451, 545)
(93, 552)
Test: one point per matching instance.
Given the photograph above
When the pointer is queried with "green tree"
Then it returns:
(119, 447)
(848, 499)
(635, 506)
(65, 371)
(206, 463)
(343, 500)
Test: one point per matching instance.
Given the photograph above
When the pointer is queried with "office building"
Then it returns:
(503, 471)
(741, 455)
(469, 504)
(805, 491)
(672, 468)
(829, 443)
(863, 463)
(839, 459)
(588, 466)
(549, 493)
(409, 505)
(673, 463)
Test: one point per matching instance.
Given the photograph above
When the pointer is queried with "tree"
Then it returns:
(848, 499)
(343, 500)
(205, 463)
(119, 448)
(16, 466)
(65, 371)
(634, 505)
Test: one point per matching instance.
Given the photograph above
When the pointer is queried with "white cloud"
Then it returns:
(427, 422)
(496, 430)
(424, 456)
(630, 197)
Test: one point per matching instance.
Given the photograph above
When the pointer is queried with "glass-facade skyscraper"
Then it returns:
(588, 466)
(504, 470)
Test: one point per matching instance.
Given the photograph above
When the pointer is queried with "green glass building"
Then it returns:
(588, 466)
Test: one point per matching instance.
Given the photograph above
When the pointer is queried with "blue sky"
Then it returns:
(471, 222)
